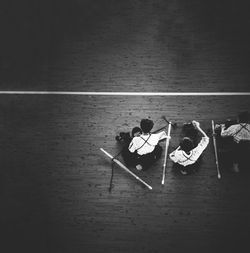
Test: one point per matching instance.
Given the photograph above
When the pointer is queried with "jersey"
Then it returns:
(238, 131)
(146, 143)
(181, 157)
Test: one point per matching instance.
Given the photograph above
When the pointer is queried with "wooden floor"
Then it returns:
(54, 179)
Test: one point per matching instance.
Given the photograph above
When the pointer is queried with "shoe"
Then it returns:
(118, 138)
(236, 168)
(183, 172)
(138, 167)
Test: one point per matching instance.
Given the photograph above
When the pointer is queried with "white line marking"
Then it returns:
(101, 93)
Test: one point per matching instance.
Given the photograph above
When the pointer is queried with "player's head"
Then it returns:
(136, 131)
(146, 125)
(186, 144)
(244, 117)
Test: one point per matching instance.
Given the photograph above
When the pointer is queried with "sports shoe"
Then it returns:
(138, 167)
(236, 168)
(183, 172)
(118, 138)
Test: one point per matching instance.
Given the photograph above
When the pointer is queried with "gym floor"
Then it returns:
(54, 179)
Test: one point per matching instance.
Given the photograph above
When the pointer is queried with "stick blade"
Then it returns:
(163, 181)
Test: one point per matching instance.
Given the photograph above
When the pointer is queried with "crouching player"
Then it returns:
(144, 149)
(239, 134)
(186, 156)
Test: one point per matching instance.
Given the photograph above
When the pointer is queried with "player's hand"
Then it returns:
(219, 126)
(196, 124)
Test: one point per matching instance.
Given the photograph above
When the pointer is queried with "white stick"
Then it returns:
(166, 154)
(215, 152)
(125, 168)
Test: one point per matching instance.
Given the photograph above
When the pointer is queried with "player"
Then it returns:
(187, 154)
(145, 149)
(239, 132)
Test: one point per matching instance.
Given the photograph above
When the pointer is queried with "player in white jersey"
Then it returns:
(240, 133)
(187, 154)
(145, 149)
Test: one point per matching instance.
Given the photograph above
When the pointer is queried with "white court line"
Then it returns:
(101, 93)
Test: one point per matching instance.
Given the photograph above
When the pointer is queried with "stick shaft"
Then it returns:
(125, 168)
(215, 151)
(158, 130)
(169, 122)
(166, 154)
(106, 153)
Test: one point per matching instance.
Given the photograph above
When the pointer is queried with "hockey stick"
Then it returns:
(158, 130)
(174, 125)
(166, 153)
(125, 168)
(215, 151)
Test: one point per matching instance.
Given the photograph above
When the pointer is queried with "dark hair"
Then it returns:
(244, 117)
(146, 125)
(187, 144)
(136, 130)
